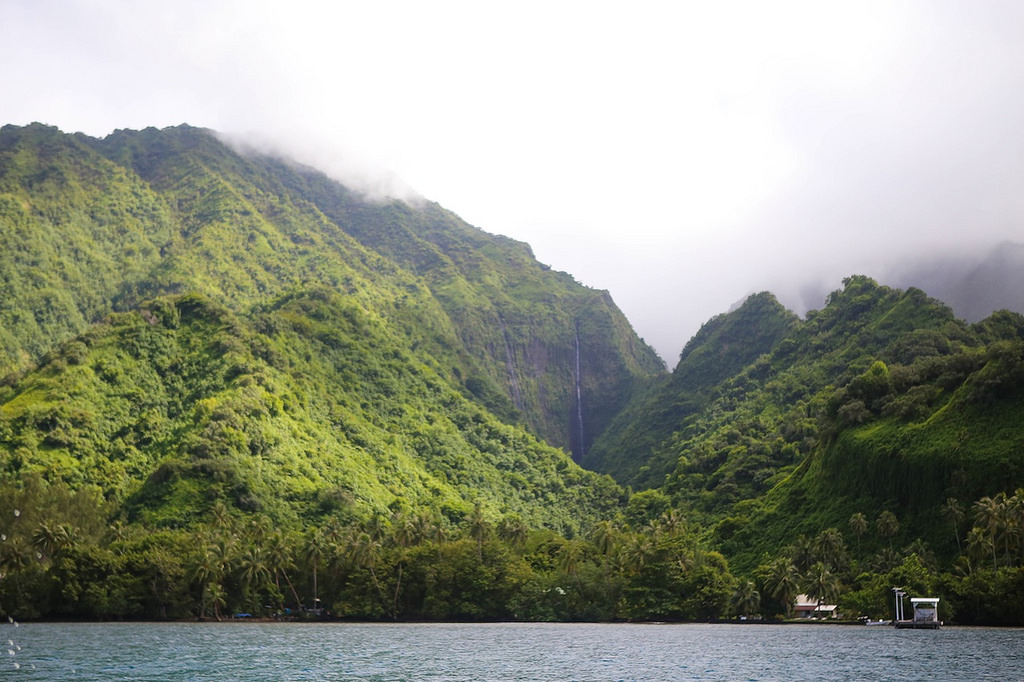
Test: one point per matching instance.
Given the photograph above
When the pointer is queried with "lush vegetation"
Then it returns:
(232, 385)
(881, 404)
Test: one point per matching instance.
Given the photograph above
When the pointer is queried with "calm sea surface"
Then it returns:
(257, 651)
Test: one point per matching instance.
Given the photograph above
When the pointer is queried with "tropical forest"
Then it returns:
(231, 386)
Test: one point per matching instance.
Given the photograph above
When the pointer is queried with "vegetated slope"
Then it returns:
(103, 225)
(882, 399)
(563, 356)
(637, 449)
(309, 409)
(76, 230)
(914, 435)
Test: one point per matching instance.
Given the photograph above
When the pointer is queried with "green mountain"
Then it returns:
(773, 427)
(638, 449)
(94, 226)
(230, 382)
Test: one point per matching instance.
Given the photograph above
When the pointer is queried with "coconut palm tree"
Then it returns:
(216, 595)
(784, 582)
(954, 512)
(830, 548)
(603, 536)
(279, 562)
(802, 552)
(478, 528)
(513, 530)
(887, 525)
(858, 526)
(570, 555)
(979, 544)
(989, 515)
(821, 584)
(254, 573)
(746, 599)
(313, 553)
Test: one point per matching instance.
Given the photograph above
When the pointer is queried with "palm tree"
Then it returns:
(604, 536)
(313, 553)
(639, 549)
(887, 525)
(254, 572)
(954, 511)
(979, 544)
(672, 522)
(821, 584)
(746, 599)
(478, 528)
(802, 552)
(784, 581)
(570, 554)
(49, 539)
(365, 553)
(920, 548)
(513, 530)
(218, 597)
(206, 572)
(403, 529)
(1015, 518)
(830, 548)
(858, 526)
(15, 556)
(988, 514)
(426, 528)
(279, 562)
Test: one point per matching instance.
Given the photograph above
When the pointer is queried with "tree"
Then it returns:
(784, 582)
(887, 525)
(513, 530)
(604, 536)
(989, 516)
(979, 544)
(478, 528)
(216, 595)
(254, 573)
(954, 513)
(279, 562)
(802, 552)
(830, 548)
(858, 526)
(570, 555)
(821, 584)
(313, 553)
(746, 599)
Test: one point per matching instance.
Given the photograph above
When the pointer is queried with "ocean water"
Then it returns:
(505, 651)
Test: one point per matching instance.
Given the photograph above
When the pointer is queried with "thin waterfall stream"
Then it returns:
(579, 394)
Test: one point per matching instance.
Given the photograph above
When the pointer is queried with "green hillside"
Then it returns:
(229, 383)
(102, 225)
(880, 418)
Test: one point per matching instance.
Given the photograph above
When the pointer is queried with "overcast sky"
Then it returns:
(679, 154)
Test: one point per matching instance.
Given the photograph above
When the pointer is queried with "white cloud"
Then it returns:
(679, 154)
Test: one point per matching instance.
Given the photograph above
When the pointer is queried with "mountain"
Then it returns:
(974, 287)
(231, 384)
(636, 449)
(771, 427)
(94, 226)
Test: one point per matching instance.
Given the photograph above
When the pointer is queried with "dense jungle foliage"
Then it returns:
(231, 385)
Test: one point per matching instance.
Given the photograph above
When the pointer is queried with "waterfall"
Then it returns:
(579, 395)
(510, 367)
